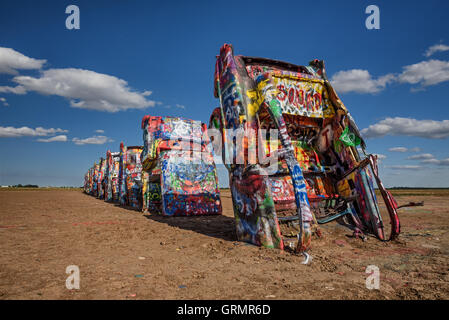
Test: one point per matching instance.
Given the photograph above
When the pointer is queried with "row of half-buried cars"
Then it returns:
(323, 172)
(172, 174)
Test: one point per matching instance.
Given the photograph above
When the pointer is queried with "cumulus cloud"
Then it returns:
(422, 156)
(83, 88)
(60, 138)
(12, 132)
(15, 90)
(11, 61)
(92, 140)
(3, 100)
(436, 48)
(180, 106)
(405, 167)
(398, 126)
(403, 149)
(87, 89)
(425, 73)
(360, 81)
(398, 149)
(443, 162)
(99, 131)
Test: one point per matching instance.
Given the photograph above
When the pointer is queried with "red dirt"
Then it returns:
(122, 254)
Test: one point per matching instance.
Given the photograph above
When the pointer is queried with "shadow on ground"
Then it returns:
(217, 226)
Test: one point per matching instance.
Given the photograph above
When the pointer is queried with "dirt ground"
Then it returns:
(122, 254)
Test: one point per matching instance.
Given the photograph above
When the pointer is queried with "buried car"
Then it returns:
(180, 176)
(87, 182)
(130, 177)
(111, 176)
(322, 171)
(95, 171)
(101, 178)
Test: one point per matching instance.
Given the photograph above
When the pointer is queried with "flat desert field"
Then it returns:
(122, 254)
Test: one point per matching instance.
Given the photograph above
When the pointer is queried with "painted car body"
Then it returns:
(320, 175)
(95, 173)
(181, 177)
(130, 176)
(88, 182)
(101, 178)
(111, 176)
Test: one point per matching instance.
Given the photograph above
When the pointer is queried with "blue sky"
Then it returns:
(145, 57)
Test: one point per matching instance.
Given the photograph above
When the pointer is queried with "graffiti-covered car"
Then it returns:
(130, 176)
(322, 171)
(180, 173)
(111, 176)
(87, 185)
(90, 183)
(101, 178)
(95, 171)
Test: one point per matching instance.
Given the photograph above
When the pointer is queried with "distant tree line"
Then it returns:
(25, 186)
(411, 188)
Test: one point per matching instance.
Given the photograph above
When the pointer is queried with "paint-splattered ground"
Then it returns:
(125, 255)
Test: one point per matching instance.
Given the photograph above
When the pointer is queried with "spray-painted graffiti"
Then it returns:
(181, 175)
(111, 176)
(101, 178)
(304, 98)
(320, 177)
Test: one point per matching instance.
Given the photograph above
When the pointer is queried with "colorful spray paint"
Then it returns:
(320, 175)
(130, 176)
(181, 175)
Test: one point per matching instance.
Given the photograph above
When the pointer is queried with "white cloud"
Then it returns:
(87, 89)
(15, 90)
(92, 140)
(60, 138)
(426, 73)
(403, 149)
(99, 131)
(436, 48)
(398, 149)
(3, 101)
(360, 81)
(422, 156)
(180, 106)
(11, 61)
(83, 88)
(405, 167)
(398, 126)
(11, 132)
(443, 162)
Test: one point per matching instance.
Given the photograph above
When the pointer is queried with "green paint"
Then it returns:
(349, 138)
(267, 202)
(275, 106)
